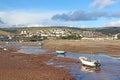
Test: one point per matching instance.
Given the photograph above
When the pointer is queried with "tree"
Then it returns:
(34, 38)
(118, 36)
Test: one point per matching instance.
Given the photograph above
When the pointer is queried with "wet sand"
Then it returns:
(18, 66)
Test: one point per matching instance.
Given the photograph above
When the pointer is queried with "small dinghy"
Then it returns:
(89, 62)
(60, 53)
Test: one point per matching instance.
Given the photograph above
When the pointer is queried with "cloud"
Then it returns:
(22, 17)
(53, 19)
(1, 21)
(116, 14)
(31, 19)
(85, 16)
(113, 24)
(80, 16)
(103, 3)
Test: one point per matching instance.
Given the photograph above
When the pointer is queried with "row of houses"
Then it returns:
(58, 33)
(92, 35)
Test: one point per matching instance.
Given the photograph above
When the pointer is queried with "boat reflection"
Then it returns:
(60, 55)
(85, 68)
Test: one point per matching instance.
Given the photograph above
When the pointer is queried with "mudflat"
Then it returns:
(109, 47)
(18, 66)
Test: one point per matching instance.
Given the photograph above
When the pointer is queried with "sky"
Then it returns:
(73, 13)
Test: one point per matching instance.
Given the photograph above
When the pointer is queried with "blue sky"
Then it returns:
(76, 13)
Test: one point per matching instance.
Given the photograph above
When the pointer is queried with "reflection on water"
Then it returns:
(90, 69)
(31, 50)
(109, 69)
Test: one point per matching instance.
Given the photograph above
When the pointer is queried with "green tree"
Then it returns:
(118, 36)
(34, 38)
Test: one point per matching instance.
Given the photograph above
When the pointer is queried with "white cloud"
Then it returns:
(112, 24)
(32, 18)
(103, 3)
(18, 17)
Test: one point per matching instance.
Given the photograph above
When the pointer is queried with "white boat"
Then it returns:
(4, 49)
(88, 62)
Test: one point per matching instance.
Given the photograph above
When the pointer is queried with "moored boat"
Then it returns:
(60, 52)
(89, 62)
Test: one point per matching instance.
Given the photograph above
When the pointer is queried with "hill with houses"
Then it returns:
(61, 32)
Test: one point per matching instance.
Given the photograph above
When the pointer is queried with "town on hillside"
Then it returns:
(57, 33)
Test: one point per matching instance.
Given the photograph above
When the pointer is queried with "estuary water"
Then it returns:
(109, 70)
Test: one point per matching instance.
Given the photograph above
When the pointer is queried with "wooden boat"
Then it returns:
(89, 62)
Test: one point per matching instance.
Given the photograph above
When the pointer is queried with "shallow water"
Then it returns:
(110, 68)
(13, 44)
(31, 50)
(26, 48)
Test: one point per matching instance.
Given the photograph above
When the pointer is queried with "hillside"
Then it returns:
(104, 30)
(4, 33)
(109, 30)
